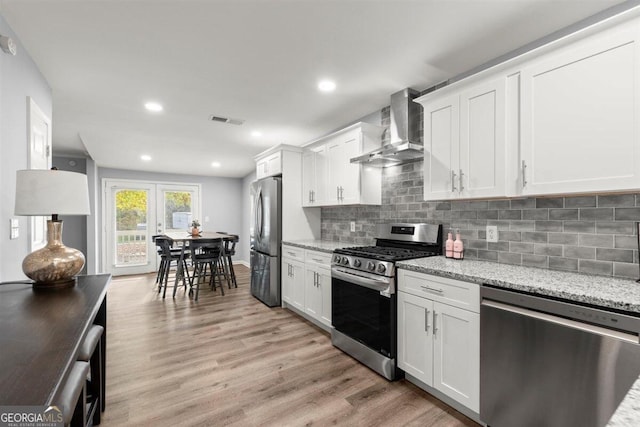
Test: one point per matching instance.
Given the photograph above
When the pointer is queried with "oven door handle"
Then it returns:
(384, 286)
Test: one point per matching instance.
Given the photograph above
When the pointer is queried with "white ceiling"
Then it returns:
(257, 60)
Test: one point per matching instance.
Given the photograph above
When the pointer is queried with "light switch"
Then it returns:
(14, 225)
(353, 226)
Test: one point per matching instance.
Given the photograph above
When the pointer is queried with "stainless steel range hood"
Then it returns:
(404, 133)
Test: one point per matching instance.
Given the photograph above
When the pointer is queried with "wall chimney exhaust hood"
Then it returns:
(404, 131)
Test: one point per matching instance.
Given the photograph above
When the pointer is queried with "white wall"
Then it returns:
(19, 78)
(244, 254)
(221, 199)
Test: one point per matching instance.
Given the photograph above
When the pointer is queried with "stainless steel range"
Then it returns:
(363, 292)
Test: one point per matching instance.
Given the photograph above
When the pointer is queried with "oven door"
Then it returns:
(364, 309)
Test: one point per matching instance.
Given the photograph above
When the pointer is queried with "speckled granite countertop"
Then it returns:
(317, 245)
(622, 294)
(603, 291)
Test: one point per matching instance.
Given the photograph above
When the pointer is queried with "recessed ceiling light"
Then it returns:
(326, 86)
(145, 157)
(256, 134)
(215, 164)
(153, 106)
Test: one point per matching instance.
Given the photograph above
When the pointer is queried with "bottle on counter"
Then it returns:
(458, 247)
(448, 247)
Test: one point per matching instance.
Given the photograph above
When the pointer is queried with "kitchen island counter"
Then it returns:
(619, 294)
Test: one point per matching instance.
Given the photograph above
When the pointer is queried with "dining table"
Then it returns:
(183, 238)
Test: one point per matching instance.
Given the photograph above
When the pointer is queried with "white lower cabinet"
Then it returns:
(292, 276)
(439, 343)
(306, 283)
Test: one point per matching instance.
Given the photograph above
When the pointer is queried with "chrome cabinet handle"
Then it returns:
(342, 193)
(460, 180)
(338, 193)
(426, 320)
(453, 181)
(435, 328)
(524, 173)
(313, 195)
(428, 289)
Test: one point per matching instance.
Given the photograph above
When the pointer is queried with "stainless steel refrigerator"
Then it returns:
(266, 236)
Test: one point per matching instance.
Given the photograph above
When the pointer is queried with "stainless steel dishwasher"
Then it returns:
(547, 362)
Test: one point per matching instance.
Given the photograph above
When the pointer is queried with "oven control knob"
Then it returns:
(371, 266)
(345, 261)
(336, 259)
(356, 262)
(381, 268)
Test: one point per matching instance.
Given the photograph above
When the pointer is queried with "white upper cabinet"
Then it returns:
(464, 137)
(482, 140)
(329, 177)
(580, 115)
(269, 166)
(314, 178)
(441, 147)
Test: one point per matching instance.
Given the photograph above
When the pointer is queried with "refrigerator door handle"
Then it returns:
(259, 213)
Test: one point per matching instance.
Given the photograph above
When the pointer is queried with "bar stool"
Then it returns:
(74, 396)
(205, 255)
(168, 257)
(229, 251)
(91, 352)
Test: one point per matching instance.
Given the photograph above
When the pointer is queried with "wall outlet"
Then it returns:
(492, 233)
(352, 226)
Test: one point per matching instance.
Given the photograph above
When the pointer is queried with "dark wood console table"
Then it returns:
(40, 334)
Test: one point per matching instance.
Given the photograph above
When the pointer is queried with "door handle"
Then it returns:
(435, 327)
(426, 320)
(460, 180)
(453, 181)
(429, 289)
(341, 194)
(338, 193)
(524, 173)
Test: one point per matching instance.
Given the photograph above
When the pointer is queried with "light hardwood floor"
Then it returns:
(230, 360)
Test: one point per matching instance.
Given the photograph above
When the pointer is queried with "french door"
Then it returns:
(134, 212)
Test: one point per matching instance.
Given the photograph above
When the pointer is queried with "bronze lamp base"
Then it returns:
(54, 266)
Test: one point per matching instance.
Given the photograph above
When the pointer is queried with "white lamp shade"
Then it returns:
(43, 192)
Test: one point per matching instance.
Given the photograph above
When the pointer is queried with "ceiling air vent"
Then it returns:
(227, 120)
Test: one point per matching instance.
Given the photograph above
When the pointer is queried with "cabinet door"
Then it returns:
(324, 283)
(313, 294)
(343, 176)
(350, 176)
(580, 123)
(297, 284)
(308, 177)
(441, 148)
(261, 169)
(482, 140)
(415, 343)
(320, 177)
(286, 288)
(274, 164)
(456, 357)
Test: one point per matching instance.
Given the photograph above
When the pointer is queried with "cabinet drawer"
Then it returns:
(457, 293)
(316, 257)
(293, 252)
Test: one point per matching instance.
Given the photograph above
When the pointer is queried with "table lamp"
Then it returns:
(42, 192)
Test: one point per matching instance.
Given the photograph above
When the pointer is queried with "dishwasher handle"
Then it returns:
(586, 327)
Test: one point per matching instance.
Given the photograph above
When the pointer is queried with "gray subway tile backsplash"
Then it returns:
(592, 234)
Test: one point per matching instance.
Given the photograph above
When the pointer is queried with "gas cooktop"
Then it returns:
(385, 253)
